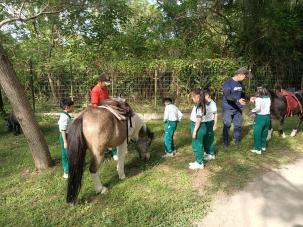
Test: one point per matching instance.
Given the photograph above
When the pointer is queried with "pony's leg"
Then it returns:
(269, 135)
(94, 166)
(281, 131)
(294, 132)
(122, 149)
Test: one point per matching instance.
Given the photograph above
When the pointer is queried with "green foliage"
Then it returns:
(198, 43)
(208, 73)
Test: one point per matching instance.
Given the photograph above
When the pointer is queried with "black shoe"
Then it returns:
(237, 143)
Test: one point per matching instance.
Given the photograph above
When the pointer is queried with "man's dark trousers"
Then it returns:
(229, 116)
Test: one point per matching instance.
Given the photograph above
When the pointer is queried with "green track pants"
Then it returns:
(170, 128)
(261, 126)
(208, 142)
(64, 155)
(197, 144)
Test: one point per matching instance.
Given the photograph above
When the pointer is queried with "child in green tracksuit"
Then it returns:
(262, 119)
(172, 115)
(64, 122)
(198, 128)
(210, 119)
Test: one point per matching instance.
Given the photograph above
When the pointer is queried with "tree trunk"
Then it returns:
(52, 86)
(21, 107)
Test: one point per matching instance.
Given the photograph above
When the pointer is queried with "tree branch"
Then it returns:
(19, 18)
(21, 8)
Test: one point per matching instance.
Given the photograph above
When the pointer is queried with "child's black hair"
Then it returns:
(66, 102)
(201, 103)
(261, 91)
(207, 92)
(167, 99)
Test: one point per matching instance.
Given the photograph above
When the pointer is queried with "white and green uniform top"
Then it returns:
(172, 113)
(211, 110)
(196, 113)
(262, 106)
(64, 121)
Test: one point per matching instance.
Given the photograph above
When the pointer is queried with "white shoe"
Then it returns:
(256, 151)
(192, 163)
(196, 166)
(65, 175)
(115, 157)
(263, 149)
(209, 157)
(174, 152)
(168, 155)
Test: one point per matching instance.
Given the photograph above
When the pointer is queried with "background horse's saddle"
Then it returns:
(119, 107)
(291, 100)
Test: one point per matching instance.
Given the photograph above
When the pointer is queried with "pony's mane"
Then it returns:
(145, 131)
(274, 94)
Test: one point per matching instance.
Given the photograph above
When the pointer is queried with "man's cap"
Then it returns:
(245, 72)
(104, 77)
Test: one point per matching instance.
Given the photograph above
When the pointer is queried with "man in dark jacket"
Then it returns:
(233, 102)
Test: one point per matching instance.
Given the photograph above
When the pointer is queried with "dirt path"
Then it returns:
(272, 200)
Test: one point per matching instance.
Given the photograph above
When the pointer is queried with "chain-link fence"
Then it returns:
(145, 91)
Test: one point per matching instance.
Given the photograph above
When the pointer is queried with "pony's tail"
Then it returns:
(77, 148)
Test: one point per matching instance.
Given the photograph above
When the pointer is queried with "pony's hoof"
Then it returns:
(102, 190)
(293, 133)
(122, 177)
(283, 135)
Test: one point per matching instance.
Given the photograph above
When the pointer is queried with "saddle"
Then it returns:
(292, 101)
(119, 107)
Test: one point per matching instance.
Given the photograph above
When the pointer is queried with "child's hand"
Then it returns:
(194, 135)
(65, 145)
(215, 127)
(242, 102)
(251, 114)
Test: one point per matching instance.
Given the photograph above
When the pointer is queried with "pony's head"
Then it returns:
(145, 138)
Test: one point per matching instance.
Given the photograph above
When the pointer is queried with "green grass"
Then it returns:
(158, 193)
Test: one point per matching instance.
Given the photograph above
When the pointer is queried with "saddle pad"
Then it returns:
(292, 101)
(115, 112)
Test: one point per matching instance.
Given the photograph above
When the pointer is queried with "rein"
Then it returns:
(130, 125)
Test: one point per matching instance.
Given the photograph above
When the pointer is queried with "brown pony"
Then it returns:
(98, 129)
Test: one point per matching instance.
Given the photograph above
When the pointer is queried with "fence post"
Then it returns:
(156, 86)
(32, 83)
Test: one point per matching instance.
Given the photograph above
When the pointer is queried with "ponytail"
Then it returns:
(201, 103)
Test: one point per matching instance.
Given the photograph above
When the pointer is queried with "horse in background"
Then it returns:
(98, 129)
(12, 124)
(281, 108)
